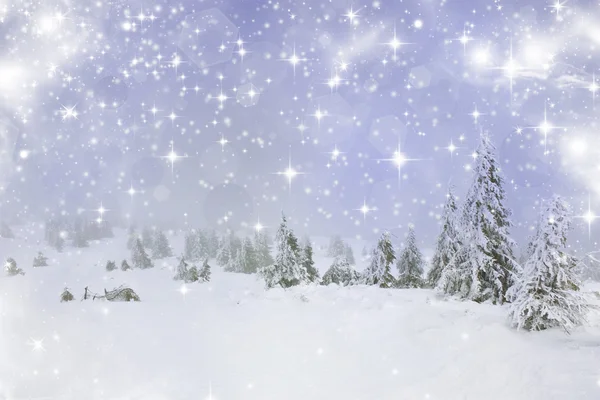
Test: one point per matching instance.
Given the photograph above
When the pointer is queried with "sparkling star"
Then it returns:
(172, 156)
(589, 217)
(365, 209)
(352, 16)
(68, 112)
(290, 173)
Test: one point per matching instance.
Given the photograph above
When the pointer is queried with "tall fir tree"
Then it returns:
(235, 263)
(161, 248)
(547, 292)
(148, 238)
(336, 247)
(131, 237)
(379, 271)
(224, 252)
(410, 264)
(139, 258)
(485, 266)
(447, 244)
(190, 244)
(213, 243)
(349, 254)
(249, 257)
(287, 269)
(262, 248)
(312, 274)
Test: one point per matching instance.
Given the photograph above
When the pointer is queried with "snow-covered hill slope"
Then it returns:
(232, 340)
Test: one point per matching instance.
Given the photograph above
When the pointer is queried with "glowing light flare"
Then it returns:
(352, 16)
(172, 157)
(589, 217)
(68, 112)
(365, 209)
(290, 173)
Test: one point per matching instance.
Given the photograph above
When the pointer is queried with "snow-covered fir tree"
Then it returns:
(204, 273)
(336, 247)
(236, 263)
(287, 270)
(181, 273)
(484, 266)
(546, 294)
(306, 255)
(349, 254)
(125, 266)
(139, 258)
(40, 260)
(161, 248)
(248, 257)
(340, 273)
(262, 248)
(66, 296)
(148, 238)
(190, 244)
(5, 231)
(212, 240)
(447, 243)
(224, 252)
(111, 266)
(11, 267)
(591, 266)
(379, 271)
(79, 238)
(410, 263)
(131, 237)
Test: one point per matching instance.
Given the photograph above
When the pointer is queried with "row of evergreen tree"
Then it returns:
(474, 257)
(79, 230)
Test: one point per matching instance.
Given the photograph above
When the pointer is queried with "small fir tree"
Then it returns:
(547, 293)
(204, 274)
(125, 266)
(139, 258)
(410, 264)
(11, 267)
(40, 260)
(379, 271)
(340, 273)
(182, 271)
(66, 296)
(111, 266)
(287, 270)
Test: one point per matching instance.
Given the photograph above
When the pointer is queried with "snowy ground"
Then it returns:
(232, 339)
